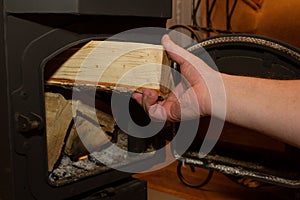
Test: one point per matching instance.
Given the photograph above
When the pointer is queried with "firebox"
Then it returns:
(32, 34)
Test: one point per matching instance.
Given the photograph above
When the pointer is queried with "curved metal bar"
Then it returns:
(187, 183)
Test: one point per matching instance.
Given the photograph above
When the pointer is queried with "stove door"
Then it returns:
(240, 151)
(31, 42)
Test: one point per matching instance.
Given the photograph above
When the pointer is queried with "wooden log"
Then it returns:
(93, 133)
(61, 137)
(112, 65)
(58, 119)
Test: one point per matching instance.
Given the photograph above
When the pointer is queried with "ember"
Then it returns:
(83, 157)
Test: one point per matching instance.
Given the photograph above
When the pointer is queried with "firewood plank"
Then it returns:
(112, 65)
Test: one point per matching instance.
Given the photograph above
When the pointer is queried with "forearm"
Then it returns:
(269, 106)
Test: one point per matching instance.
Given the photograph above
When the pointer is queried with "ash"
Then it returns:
(109, 156)
(68, 168)
(113, 156)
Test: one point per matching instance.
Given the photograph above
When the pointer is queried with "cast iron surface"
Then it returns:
(144, 8)
(29, 39)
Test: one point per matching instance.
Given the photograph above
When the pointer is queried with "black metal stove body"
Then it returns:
(33, 32)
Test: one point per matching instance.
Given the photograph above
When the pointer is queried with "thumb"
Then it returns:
(176, 53)
(184, 108)
(149, 98)
(168, 111)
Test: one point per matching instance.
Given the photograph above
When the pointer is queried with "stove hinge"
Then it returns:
(28, 122)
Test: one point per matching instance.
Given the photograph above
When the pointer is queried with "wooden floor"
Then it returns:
(220, 187)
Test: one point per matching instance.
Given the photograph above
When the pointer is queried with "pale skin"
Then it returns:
(270, 106)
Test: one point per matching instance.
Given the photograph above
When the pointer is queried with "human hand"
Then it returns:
(191, 98)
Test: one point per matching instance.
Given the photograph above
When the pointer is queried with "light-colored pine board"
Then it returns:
(112, 65)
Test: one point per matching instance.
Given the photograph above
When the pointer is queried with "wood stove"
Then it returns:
(32, 33)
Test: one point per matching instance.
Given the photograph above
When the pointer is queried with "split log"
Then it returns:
(90, 131)
(112, 65)
(88, 134)
(58, 119)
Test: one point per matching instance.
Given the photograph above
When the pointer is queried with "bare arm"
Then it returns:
(269, 106)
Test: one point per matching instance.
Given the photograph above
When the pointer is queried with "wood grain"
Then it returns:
(58, 119)
(114, 65)
(90, 131)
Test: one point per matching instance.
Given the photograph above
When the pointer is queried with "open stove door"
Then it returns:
(270, 161)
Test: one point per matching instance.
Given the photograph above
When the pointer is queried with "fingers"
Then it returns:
(138, 97)
(146, 99)
(176, 53)
(192, 67)
(167, 111)
(184, 108)
(160, 111)
(173, 109)
(149, 98)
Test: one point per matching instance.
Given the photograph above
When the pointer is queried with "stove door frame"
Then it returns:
(28, 46)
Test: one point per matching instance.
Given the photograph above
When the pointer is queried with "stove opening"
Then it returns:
(78, 144)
